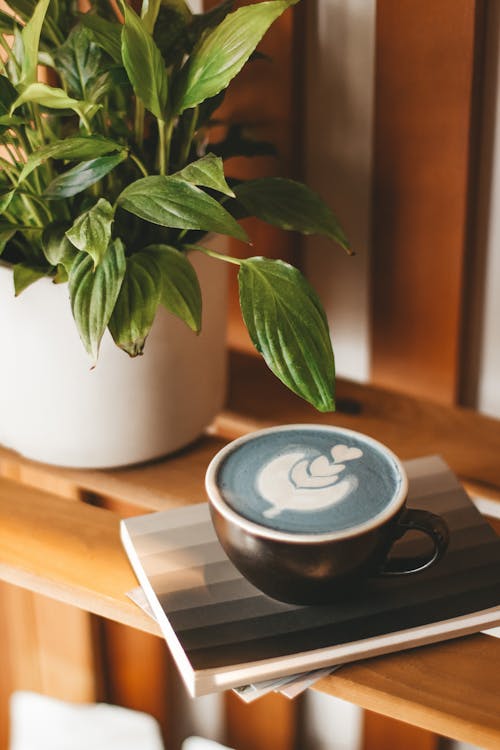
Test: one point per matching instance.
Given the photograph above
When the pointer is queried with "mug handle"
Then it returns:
(418, 520)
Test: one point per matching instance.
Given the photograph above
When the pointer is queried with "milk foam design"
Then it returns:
(292, 481)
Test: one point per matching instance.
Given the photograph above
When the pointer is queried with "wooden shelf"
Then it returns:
(57, 545)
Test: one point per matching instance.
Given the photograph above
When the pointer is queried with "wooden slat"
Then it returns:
(451, 688)
(381, 732)
(425, 110)
(270, 722)
(137, 672)
(68, 551)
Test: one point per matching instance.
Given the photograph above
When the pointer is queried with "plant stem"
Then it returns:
(139, 123)
(161, 147)
(214, 254)
(186, 146)
(139, 164)
(165, 138)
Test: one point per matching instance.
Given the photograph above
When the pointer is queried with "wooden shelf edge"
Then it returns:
(376, 685)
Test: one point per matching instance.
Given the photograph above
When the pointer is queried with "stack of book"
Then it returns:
(224, 633)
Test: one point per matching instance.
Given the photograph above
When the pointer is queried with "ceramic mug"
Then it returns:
(305, 511)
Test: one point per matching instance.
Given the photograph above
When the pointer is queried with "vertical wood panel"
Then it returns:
(425, 57)
(271, 722)
(382, 733)
(47, 647)
(137, 671)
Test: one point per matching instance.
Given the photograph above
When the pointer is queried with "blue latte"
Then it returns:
(307, 480)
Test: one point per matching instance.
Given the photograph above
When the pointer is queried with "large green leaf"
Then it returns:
(25, 275)
(56, 247)
(72, 149)
(78, 62)
(144, 64)
(94, 293)
(79, 178)
(91, 232)
(180, 292)
(207, 172)
(31, 40)
(106, 34)
(53, 98)
(137, 303)
(224, 50)
(175, 203)
(287, 324)
(290, 205)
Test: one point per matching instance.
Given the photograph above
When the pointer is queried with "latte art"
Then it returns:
(294, 482)
(307, 479)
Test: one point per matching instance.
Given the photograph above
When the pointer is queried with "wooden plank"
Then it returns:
(47, 647)
(424, 114)
(68, 551)
(410, 687)
(270, 722)
(137, 671)
(381, 732)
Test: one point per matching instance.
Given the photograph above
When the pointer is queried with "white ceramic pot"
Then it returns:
(56, 409)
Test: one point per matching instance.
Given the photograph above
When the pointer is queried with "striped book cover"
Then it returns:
(224, 633)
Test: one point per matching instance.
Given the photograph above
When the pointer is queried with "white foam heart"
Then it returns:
(322, 467)
(343, 453)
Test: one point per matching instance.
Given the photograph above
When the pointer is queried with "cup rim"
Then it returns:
(217, 501)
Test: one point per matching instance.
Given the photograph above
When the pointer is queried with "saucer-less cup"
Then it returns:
(306, 511)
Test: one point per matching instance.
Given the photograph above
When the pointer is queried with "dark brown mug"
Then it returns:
(306, 511)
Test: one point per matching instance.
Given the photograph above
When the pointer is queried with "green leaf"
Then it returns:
(78, 62)
(56, 247)
(149, 14)
(53, 98)
(181, 293)
(25, 275)
(287, 324)
(290, 205)
(7, 231)
(91, 232)
(207, 172)
(6, 199)
(172, 202)
(144, 64)
(137, 302)
(106, 34)
(224, 50)
(93, 294)
(79, 178)
(31, 40)
(72, 149)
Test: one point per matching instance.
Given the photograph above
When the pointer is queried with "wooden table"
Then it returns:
(54, 544)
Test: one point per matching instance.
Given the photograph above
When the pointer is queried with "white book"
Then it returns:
(224, 633)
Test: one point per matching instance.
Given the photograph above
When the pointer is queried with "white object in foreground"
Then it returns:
(42, 723)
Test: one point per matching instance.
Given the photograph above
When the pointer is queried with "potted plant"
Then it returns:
(109, 189)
